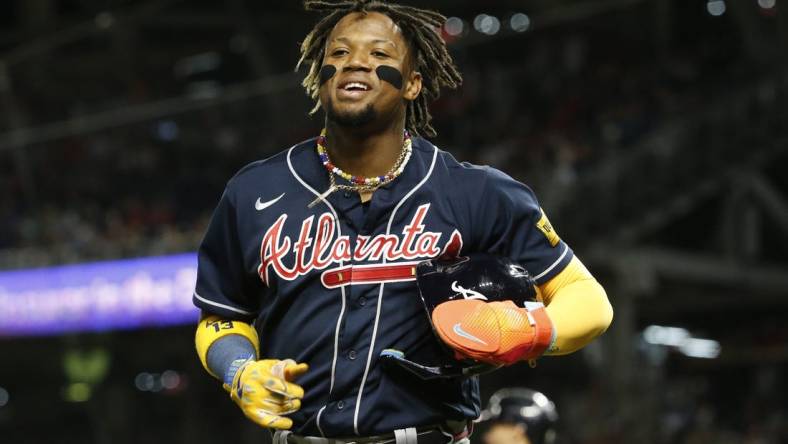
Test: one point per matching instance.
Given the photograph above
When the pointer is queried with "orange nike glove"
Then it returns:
(499, 333)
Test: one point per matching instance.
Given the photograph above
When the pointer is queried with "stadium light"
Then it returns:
(144, 382)
(700, 348)
(454, 26)
(681, 340)
(487, 24)
(491, 25)
(670, 336)
(519, 22)
(767, 4)
(716, 7)
(157, 382)
(170, 379)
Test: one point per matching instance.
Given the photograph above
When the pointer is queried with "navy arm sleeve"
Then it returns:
(511, 223)
(224, 287)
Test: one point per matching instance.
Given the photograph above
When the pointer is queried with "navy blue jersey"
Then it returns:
(333, 285)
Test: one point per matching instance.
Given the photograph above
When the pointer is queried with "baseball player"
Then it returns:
(306, 271)
(519, 416)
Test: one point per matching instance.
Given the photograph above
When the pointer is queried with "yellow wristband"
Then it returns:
(212, 328)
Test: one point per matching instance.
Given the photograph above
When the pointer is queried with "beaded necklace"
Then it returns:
(359, 183)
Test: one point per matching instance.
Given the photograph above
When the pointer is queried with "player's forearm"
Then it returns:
(227, 350)
(219, 342)
(577, 306)
(580, 312)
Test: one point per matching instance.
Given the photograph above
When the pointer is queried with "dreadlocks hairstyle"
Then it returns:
(420, 29)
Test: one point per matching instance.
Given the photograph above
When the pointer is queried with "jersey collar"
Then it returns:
(307, 165)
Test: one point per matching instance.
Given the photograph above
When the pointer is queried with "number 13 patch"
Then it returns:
(547, 229)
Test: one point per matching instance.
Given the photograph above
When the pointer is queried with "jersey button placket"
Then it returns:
(362, 301)
(340, 404)
(352, 355)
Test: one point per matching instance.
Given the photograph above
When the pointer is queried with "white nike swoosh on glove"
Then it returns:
(458, 329)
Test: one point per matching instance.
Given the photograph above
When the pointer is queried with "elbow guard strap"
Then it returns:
(212, 328)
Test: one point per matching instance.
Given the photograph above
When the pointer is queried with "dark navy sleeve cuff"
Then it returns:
(553, 269)
(223, 310)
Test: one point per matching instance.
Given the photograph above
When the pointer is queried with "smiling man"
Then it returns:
(307, 274)
(355, 98)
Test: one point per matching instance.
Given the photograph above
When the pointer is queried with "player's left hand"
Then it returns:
(499, 333)
(265, 393)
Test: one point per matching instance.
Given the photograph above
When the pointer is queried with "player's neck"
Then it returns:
(364, 153)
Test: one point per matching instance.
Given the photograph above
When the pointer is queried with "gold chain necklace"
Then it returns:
(359, 184)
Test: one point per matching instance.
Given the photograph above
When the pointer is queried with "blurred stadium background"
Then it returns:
(654, 131)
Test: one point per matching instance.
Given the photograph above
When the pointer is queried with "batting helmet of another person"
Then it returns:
(528, 410)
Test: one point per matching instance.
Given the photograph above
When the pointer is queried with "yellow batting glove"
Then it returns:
(265, 393)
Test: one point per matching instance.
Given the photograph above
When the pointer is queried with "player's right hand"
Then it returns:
(265, 393)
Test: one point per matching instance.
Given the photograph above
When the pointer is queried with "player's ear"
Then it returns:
(413, 86)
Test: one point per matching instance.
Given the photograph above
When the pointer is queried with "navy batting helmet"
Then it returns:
(475, 276)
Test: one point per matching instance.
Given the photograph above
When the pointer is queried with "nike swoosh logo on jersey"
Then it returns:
(260, 205)
(458, 329)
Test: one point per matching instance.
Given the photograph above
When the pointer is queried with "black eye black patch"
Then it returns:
(390, 74)
(326, 72)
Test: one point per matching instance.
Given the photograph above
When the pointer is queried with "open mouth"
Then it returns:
(354, 86)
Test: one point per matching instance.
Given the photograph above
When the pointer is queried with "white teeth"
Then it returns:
(352, 85)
